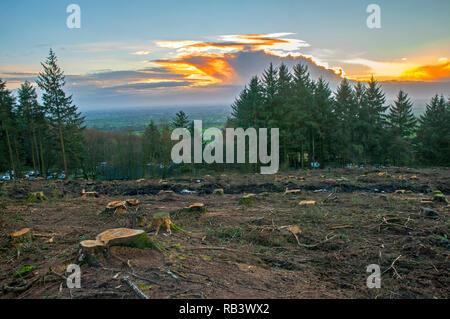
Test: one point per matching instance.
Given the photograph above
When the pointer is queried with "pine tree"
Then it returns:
(401, 118)
(151, 144)
(7, 120)
(62, 114)
(248, 106)
(31, 119)
(326, 122)
(376, 137)
(283, 110)
(301, 103)
(433, 134)
(402, 124)
(346, 112)
(180, 120)
(270, 89)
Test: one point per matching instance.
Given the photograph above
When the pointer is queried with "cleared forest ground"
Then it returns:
(361, 217)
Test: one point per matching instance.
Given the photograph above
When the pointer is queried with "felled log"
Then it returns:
(307, 202)
(292, 191)
(85, 194)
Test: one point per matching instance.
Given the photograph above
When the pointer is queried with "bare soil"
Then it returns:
(237, 251)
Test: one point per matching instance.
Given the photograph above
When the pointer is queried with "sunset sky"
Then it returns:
(144, 53)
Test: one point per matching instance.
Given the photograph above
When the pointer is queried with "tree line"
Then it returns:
(41, 137)
(351, 125)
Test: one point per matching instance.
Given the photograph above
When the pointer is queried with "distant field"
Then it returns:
(137, 119)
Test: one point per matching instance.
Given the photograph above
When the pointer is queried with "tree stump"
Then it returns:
(132, 202)
(218, 191)
(124, 237)
(246, 199)
(37, 196)
(21, 237)
(93, 250)
(196, 208)
(159, 219)
(117, 207)
(439, 197)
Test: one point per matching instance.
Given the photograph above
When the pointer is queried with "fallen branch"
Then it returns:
(318, 244)
(135, 288)
(212, 248)
(341, 227)
(393, 268)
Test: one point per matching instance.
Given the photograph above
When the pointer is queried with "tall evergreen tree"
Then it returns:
(346, 112)
(32, 121)
(63, 115)
(301, 103)
(402, 124)
(7, 121)
(325, 121)
(180, 120)
(151, 144)
(376, 137)
(433, 134)
(401, 118)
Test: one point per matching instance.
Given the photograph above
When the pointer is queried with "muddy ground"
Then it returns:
(237, 251)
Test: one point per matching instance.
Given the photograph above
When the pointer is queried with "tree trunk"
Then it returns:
(8, 142)
(61, 140)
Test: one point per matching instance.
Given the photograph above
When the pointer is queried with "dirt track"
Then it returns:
(237, 250)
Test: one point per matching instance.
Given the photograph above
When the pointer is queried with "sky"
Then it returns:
(202, 52)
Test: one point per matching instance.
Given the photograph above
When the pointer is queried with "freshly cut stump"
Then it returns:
(124, 237)
(37, 196)
(132, 202)
(159, 219)
(21, 237)
(199, 208)
(92, 250)
(246, 199)
(438, 196)
(118, 207)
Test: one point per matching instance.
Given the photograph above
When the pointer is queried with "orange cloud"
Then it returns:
(200, 70)
(427, 72)
(206, 63)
